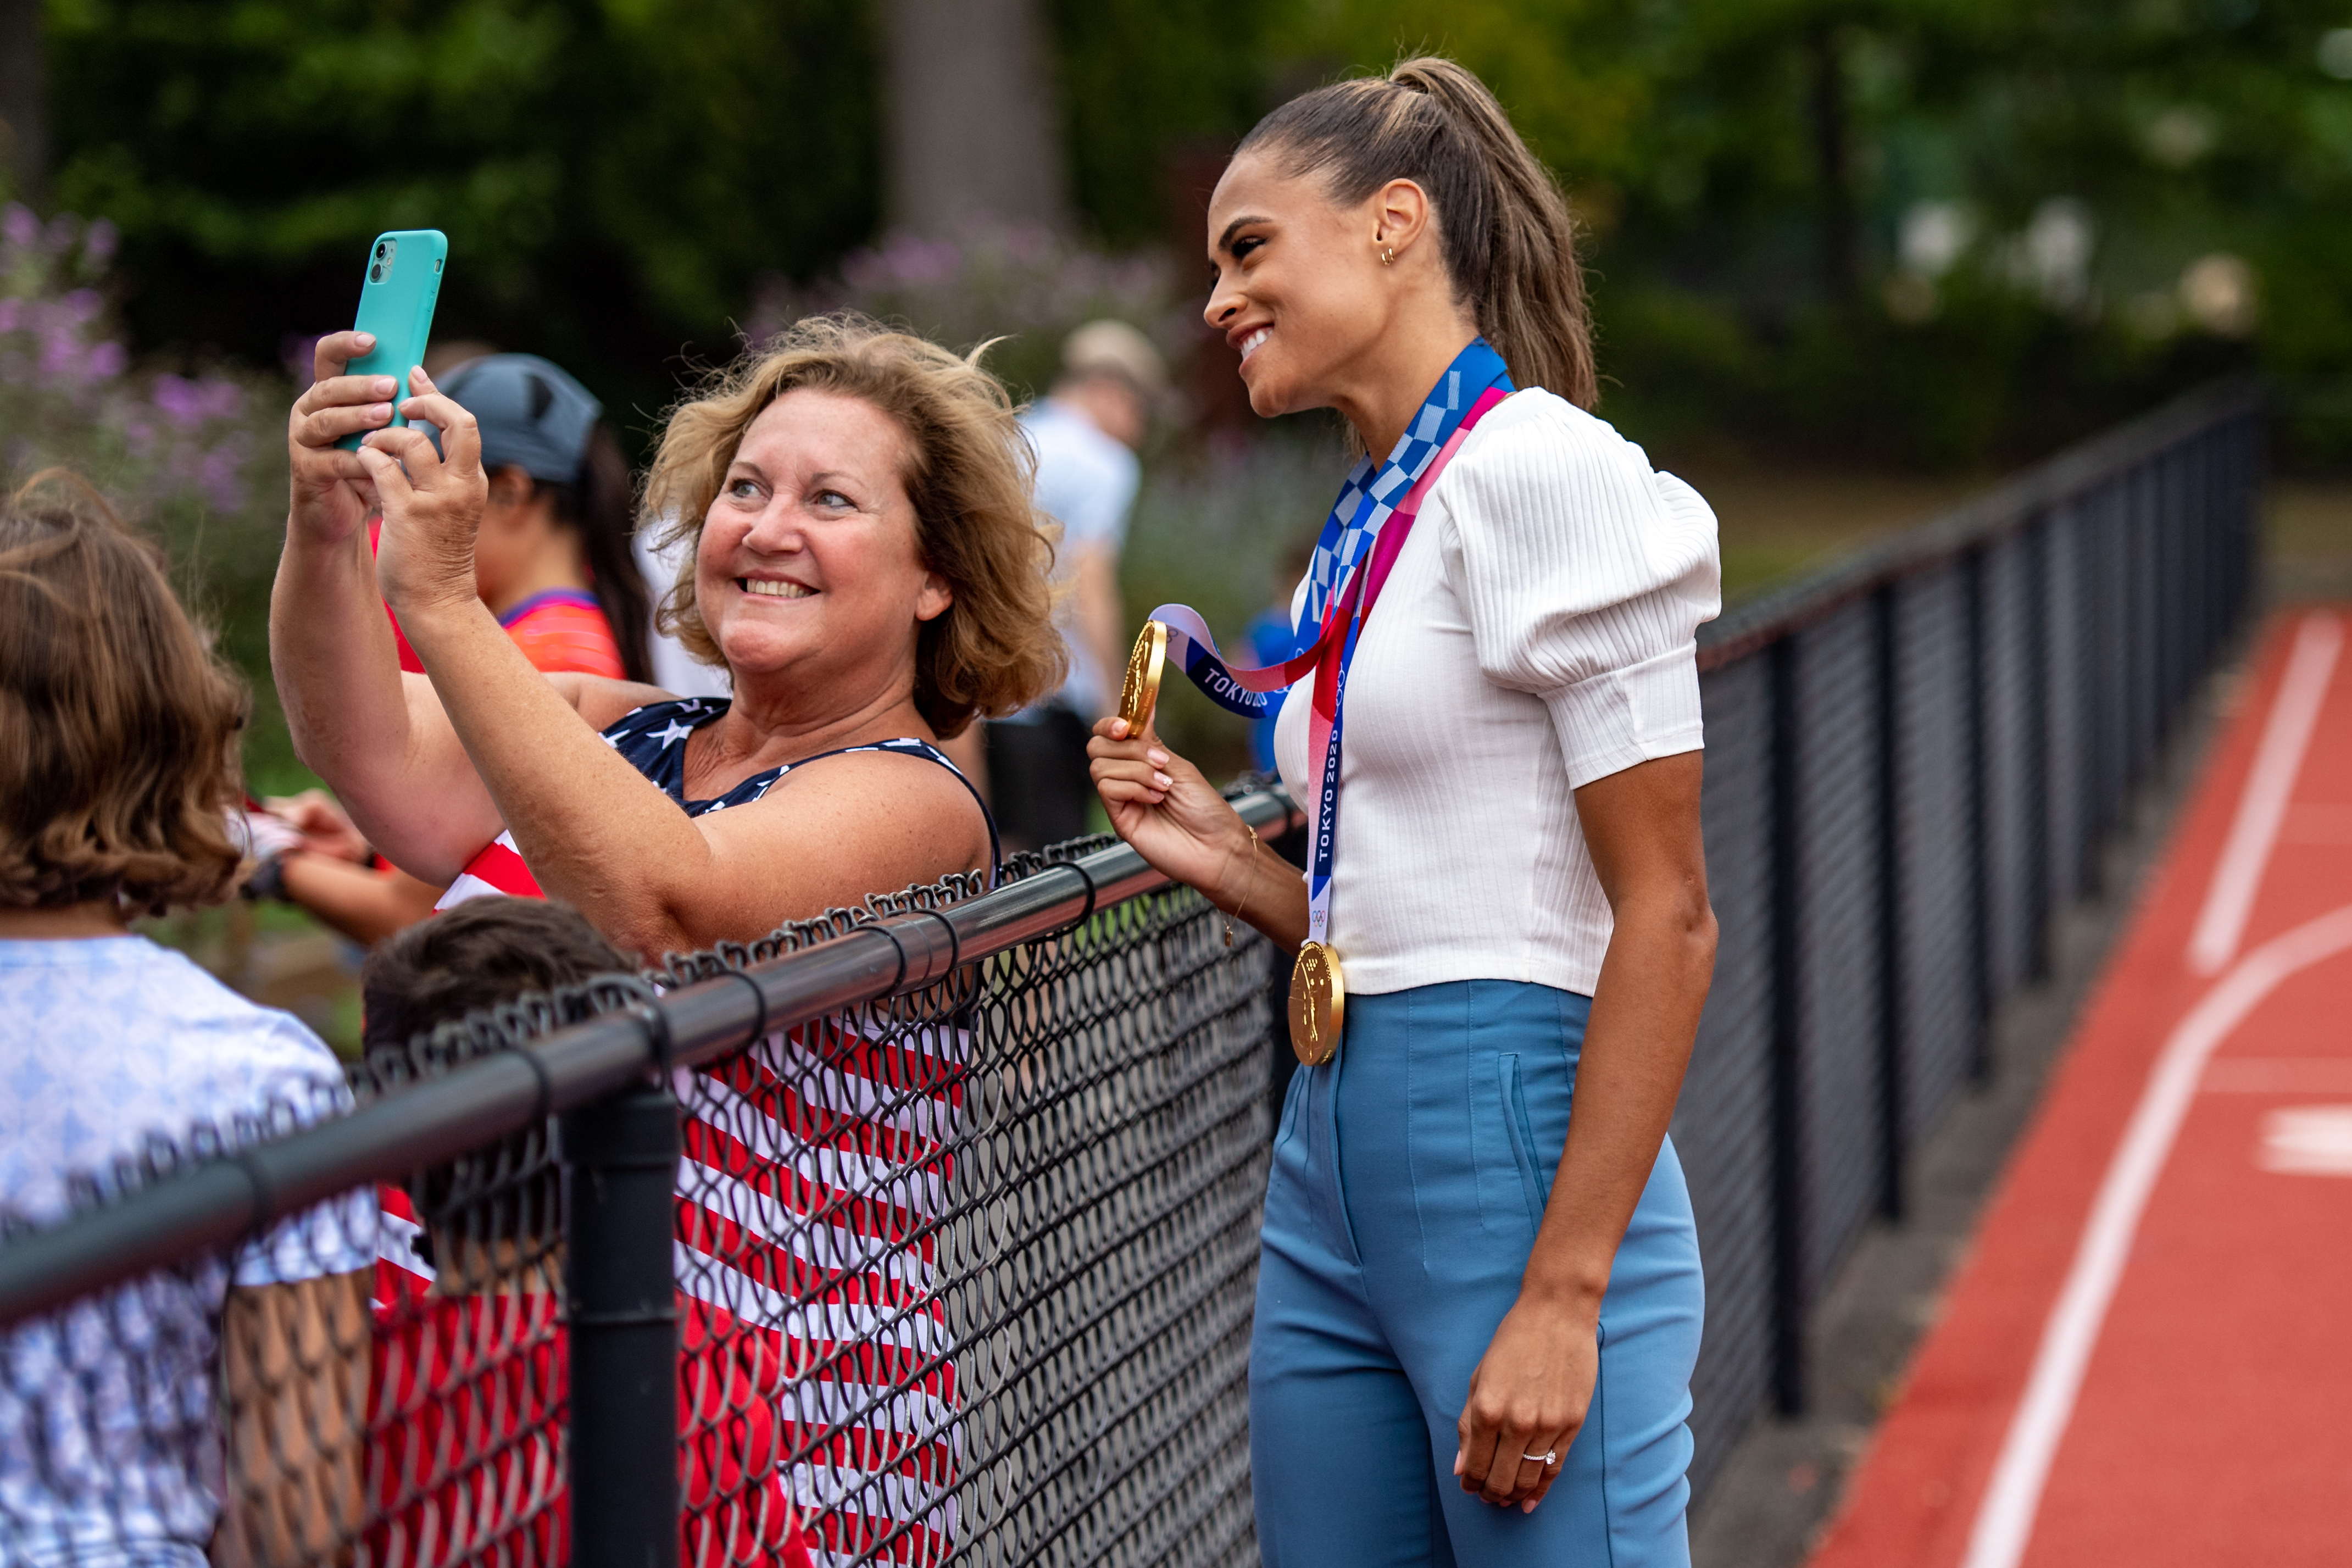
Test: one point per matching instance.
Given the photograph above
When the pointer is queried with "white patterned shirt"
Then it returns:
(108, 1426)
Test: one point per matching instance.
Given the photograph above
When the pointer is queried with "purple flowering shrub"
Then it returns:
(162, 445)
(196, 459)
(1021, 282)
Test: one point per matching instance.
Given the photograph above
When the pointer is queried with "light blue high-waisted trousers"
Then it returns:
(1409, 1176)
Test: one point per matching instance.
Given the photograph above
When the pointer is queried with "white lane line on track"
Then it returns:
(2308, 1140)
(2004, 1521)
(2279, 1076)
(2262, 806)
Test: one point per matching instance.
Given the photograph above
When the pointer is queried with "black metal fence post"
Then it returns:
(620, 1167)
(1893, 1113)
(2254, 463)
(1788, 1184)
(2097, 712)
(1979, 824)
(2146, 547)
(2040, 764)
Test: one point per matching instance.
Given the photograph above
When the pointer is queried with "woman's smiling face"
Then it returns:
(809, 559)
(1297, 290)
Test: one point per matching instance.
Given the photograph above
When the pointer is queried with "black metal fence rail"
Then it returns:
(962, 1231)
(1912, 761)
(936, 1234)
(438, 1118)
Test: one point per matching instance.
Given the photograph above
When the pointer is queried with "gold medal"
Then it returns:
(1318, 1005)
(1138, 694)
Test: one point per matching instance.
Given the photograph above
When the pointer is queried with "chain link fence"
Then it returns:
(1912, 762)
(929, 1230)
(930, 1233)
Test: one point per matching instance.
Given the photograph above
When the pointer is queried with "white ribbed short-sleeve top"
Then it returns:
(1538, 632)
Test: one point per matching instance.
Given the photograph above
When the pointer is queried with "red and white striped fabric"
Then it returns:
(463, 1459)
(450, 1372)
(400, 1269)
(498, 868)
(813, 1162)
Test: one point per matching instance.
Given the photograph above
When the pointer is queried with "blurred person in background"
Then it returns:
(118, 792)
(552, 555)
(1087, 431)
(1479, 1285)
(673, 665)
(553, 560)
(1268, 636)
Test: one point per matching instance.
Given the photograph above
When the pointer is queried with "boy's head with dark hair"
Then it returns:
(479, 955)
(490, 1216)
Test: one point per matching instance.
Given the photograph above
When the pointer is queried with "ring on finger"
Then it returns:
(1548, 1459)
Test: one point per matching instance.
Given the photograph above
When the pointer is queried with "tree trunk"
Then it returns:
(23, 118)
(972, 125)
(1834, 152)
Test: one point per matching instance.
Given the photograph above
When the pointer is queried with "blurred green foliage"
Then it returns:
(1152, 95)
(612, 176)
(194, 460)
(1923, 231)
(1846, 225)
(1948, 234)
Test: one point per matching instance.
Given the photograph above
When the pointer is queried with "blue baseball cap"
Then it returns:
(532, 412)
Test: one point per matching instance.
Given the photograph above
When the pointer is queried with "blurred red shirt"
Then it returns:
(466, 1405)
(559, 629)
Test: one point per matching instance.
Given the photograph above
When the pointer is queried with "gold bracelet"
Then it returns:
(1243, 903)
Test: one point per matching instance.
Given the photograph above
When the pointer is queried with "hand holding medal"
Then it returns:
(1158, 802)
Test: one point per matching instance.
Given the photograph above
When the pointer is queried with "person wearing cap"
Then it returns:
(1086, 431)
(553, 563)
(552, 560)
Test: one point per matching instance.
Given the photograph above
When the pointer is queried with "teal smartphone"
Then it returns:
(396, 300)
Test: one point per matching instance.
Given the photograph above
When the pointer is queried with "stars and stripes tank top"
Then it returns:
(653, 740)
(814, 1168)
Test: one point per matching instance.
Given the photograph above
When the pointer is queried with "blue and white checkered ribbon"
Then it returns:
(1370, 495)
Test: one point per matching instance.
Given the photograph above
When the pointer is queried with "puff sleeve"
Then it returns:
(1586, 574)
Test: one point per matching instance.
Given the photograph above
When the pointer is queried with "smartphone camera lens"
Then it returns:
(382, 251)
(375, 273)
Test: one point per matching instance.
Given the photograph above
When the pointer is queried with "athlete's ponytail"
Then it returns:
(1505, 231)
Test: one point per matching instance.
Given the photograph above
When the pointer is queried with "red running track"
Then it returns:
(2146, 1357)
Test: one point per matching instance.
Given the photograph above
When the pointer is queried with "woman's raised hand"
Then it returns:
(331, 491)
(432, 501)
(1162, 805)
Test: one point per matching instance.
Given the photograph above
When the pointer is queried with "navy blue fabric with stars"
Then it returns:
(653, 739)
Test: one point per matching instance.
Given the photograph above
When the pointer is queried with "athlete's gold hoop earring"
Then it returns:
(1388, 255)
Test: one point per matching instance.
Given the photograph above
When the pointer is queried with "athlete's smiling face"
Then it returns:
(1297, 285)
(809, 561)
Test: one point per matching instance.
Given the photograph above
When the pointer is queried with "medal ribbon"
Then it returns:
(1373, 498)
(1360, 539)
